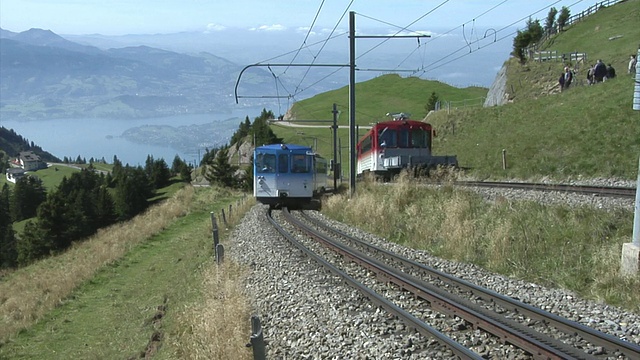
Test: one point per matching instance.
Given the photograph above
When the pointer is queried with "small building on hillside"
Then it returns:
(29, 161)
(15, 174)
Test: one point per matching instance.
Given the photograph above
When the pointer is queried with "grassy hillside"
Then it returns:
(591, 36)
(377, 97)
(588, 131)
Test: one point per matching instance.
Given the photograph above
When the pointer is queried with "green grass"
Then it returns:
(377, 97)
(50, 177)
(111, 315)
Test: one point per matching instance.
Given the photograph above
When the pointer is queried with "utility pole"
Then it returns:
(335, 145)
(352, 103)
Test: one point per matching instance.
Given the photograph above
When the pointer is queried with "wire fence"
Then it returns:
(460, 104)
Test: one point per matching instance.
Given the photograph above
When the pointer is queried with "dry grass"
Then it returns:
(27, 294)
(573, 248)
(216, 325)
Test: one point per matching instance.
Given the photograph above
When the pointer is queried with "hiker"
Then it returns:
(611, 72)
(599, 71)
(565, 78)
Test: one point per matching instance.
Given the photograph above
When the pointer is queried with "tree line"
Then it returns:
(80, 205)
(534, 32)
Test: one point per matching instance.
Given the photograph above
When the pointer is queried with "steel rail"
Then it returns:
(631, 350)
(580, 189)
(539, 345)
(409, 319)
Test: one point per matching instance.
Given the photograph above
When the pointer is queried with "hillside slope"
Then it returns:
(587, 131)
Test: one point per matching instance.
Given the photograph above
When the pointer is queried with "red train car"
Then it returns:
(390, 146)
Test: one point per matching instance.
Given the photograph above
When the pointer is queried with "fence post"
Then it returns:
(224, 218)
(257, 339)
(504, 159)
(214, 233)
(230, 211)
(219, 254)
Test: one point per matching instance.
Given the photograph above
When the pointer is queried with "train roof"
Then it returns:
(396, 123)
(286, 146)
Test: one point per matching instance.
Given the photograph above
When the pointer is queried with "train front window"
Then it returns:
(388, 138)
(404, 138)
(419, 138)
(266, 163)
(299, 164)
(283, 163)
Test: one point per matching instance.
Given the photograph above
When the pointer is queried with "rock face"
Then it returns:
(497, 94)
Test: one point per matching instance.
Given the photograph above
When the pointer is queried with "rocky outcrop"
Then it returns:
(497, 94)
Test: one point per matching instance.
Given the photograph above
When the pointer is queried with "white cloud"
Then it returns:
(215, 27)
(323, 31)
(274, 27)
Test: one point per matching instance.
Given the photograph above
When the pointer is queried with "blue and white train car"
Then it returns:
(287, 175)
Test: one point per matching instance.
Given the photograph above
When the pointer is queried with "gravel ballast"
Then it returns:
(307, 313)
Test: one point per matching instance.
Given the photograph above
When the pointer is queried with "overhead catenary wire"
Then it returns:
(433, 66)
(323, 45)
(423, 69)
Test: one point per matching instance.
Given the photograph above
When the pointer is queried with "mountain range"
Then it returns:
(43, 75)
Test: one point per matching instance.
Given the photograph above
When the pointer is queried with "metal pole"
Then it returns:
(636, 215)
(335, 145)
(352, 102)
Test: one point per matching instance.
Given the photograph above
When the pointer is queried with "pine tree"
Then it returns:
(27, 195)
(221, 172)
(563, 18)
(432, 102)
(262, 132)
(550, 23)
(160, 174)
(180, 168)
(8, 254)
(132, 190)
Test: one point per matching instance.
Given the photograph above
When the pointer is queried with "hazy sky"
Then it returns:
(119, 17)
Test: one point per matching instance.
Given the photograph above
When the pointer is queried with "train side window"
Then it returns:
(283, 163)
(266, 163)
(366, 144)
(299, 164)
(404, 138)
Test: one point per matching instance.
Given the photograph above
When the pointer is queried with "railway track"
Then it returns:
(624, 192)
(507, 319)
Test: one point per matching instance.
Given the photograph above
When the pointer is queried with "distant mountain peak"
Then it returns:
(39, 37)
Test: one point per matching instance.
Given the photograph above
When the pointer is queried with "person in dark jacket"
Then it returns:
(599, 71)
(611, 72)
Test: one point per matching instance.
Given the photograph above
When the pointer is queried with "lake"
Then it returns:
(100, 138)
